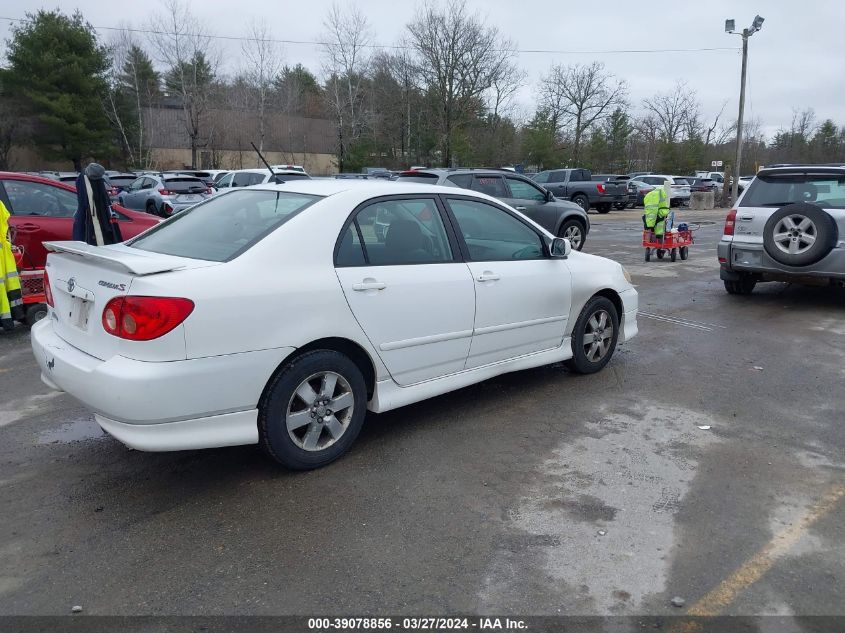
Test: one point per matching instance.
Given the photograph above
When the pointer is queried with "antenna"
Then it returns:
(276, 177)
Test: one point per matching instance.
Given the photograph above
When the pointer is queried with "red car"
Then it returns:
(42, 211)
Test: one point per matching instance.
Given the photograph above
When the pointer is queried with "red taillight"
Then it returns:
(144, 318)
(730, 222)
(165, 192)
(48, 293)
(600, 188)
(113, 191)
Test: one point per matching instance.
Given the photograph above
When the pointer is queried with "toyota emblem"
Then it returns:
(71, 284)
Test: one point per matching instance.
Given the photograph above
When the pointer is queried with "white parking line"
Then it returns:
(696, 325)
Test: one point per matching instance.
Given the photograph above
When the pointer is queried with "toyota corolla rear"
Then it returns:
(133, 329)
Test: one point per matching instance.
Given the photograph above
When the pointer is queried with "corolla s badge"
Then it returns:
(71, 284)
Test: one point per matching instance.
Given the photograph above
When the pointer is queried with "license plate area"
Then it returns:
(79, 313)
(747, 258)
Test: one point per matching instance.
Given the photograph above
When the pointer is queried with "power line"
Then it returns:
(539, 51)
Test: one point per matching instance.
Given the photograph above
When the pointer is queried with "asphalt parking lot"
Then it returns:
(707, 462)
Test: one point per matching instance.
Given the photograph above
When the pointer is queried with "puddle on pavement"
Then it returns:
(81, 430)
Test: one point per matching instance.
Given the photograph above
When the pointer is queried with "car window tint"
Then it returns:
(185, 185)
(461, 180)
(557, 176)
(225, 226)
(542, 177)
(226, 181)
(349, 251)
(247, 178)
(398, 232)
(523, 190)
(491, 185)
(35, 198)
(492, 234)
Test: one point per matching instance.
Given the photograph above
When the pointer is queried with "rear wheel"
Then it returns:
(313, 410)
(151, 208)
(594, 336)
(35, 313)
(573, 230)
(742, 286)
(582, 201)
(604, 207)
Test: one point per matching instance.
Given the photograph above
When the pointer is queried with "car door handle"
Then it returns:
(487, 276)
(369, 284)
(746, 218)
(26, 228)
(520, 208)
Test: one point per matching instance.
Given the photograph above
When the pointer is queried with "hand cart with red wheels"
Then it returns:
(32, 289)
(673, 242)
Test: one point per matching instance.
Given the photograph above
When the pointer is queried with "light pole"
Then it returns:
(756, 25)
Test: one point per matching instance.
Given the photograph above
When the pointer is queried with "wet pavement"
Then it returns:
(707, 461)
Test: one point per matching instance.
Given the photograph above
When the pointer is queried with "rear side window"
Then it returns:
(464, 181)
(542, 177)
(248, 178)
(491, 185)
(225, 226)
(777, 190)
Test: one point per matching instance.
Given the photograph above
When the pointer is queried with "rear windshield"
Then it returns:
(680, 181)
(777, 190)
(225, 226)
(122, 180)
(184, 184)
(286, 177)
(429, 179)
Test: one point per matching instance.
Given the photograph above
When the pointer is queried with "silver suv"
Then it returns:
(787, 226)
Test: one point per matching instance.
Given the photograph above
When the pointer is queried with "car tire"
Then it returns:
(34, 313)
(582, 201)
(151, 208)
(742, 286)
(604, 207)
(313, 443)
(572, 228)
(592, 344)
(790, 228)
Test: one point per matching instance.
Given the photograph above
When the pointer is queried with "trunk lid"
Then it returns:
(85, 278)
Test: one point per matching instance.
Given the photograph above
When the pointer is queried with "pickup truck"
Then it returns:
(578, 185)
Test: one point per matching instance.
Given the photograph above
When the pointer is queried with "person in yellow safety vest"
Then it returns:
(11, 300)
(657, 208)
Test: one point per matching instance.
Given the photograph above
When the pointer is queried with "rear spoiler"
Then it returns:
(135, 262)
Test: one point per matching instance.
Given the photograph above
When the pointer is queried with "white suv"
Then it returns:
(680, 190)
(787, 226)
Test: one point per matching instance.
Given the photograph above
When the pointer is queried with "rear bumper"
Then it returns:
(213, 398)
(739, 258)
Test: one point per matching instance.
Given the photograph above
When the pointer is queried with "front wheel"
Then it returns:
(573, 230)
(604, 207)
(594, 336)
(313, 410)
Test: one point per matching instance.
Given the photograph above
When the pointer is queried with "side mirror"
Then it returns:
(550, 197)
(560, 248)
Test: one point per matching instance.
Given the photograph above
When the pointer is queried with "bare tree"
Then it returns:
(185, 48)
(459, 59)
(672, 110)
(345, 64)
(715, 135)
(263, 65)
(581, 96)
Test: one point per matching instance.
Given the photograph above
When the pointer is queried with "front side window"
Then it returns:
(225, 226)
(491, 185)
(524, 190)
(492, 234)
(35, 198)
(396, 232)
(248, 178)
(226, 181)
(542, 177)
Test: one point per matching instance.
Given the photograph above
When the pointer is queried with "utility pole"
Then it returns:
(735, 186)
(756, 25)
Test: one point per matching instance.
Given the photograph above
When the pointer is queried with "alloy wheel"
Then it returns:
(795, 234)
(574, 235)
(320, 410)
(598, 336)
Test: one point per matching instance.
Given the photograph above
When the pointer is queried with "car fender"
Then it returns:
(591, 275)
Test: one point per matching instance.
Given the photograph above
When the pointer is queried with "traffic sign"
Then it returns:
(716, 163)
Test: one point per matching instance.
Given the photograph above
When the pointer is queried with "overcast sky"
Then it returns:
(796, 61)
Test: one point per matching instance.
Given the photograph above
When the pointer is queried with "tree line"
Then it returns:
(444, 98)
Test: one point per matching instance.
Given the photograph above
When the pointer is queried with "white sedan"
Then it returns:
(273, 314)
